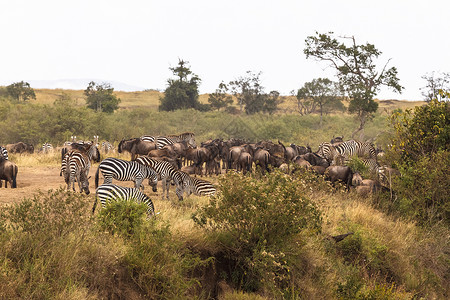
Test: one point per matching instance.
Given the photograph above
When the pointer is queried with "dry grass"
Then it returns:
(150, 99)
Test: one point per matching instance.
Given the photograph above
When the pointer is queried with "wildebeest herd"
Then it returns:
(177, 160)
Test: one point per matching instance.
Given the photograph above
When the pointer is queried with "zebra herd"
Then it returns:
(75, 165)
(174, 159)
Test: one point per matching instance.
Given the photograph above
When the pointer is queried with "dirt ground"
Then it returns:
(32, 179)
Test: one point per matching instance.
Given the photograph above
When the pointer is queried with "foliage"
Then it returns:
(421, 132)
(220, 99)
(20, 91)
(255, 219)
(319, 92)
(435, 84)
(250, 94)
(356, 71)
(100, 97)
(122, 217)
(181, 93)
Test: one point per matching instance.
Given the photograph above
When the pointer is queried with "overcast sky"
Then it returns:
(136, 41)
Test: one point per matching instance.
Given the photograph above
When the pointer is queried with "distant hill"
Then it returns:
(150, 99)
(77, 84)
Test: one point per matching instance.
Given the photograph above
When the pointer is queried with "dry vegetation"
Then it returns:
(65, 253)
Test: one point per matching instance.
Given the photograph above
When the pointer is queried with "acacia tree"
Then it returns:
(220, 99)
(321, 93)
(436, 84)
(100, 97)
(181, 93)
(20, 91)
(250, 94)
(356, 71)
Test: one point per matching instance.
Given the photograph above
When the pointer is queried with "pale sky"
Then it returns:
(136, 41)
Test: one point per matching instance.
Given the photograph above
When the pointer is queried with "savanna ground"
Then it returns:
(387, 257)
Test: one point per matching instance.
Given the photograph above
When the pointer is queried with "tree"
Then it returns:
(321, 92)
(100, 97)
(435, 86)
(250, 94)
(181, 93)
(220, 99)
(356, 71)
(21, 91)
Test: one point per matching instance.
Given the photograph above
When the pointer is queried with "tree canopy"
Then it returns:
(320, 93)
(356, 70)
(20, 91)
(250, 94)
(100, 97)
(181, 93)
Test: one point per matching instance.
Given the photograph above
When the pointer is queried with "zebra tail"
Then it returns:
(14, 182)
(95, 204)
(96, 177)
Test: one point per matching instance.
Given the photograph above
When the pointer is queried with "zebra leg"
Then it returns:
(138, 183)
(107, 179)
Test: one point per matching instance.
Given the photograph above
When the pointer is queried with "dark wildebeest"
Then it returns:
(339, 173)
(245, 162)
(300, 163)
(315, 160)
(20, 147)
(136, 146)
(261, 159)
(8, 172)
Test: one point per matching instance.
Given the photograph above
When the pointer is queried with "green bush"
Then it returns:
(255, 221)
(122, 217)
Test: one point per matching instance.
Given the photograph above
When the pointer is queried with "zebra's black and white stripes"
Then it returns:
(3, 153)
(162, 141)
(76, 166)
(47, 148)
(347, 149)
(122, 170)
(165, 171)
(198, 187)
(112, 192)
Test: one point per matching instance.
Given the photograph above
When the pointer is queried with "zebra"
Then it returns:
(124, 170)
(107, 147)
(3, 153)
(166, 173)
(347, 149)
(89, 149)
(77, 165)
(198, 187)
(370, 163)
(47, 148)
(162, 141)
(112, 192)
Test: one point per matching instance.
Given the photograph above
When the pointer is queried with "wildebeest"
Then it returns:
(8, 172)
(315, 160)
(136, 146)
(339, 173)
(20, 147)
(245, 162)
(261, 159)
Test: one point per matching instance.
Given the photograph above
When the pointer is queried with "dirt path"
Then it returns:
(32, 179)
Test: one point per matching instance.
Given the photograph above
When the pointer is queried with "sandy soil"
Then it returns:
(32, 179)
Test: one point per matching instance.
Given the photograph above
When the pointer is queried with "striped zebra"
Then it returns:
(3, 153)
(89, 149)
(198, 187)
(166, 173)
(123, 170)
(370, 163)
(107, 147)
(347, 149)
(111, 192)
(162, 141)
(78, 165)
(47, 148)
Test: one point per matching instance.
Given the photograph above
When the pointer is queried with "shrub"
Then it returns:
(255, 221)
(122, 217)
